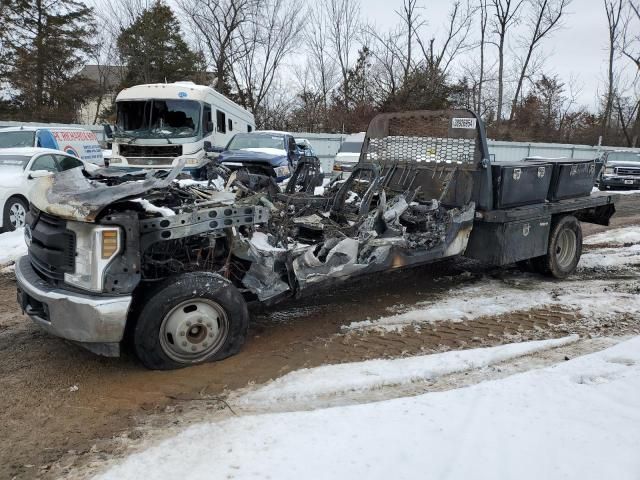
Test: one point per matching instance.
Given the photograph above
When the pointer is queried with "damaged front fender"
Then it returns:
(80, 195)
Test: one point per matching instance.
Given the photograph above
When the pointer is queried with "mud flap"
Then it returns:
(599, 215)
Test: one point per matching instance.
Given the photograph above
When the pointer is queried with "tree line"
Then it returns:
(322, 66)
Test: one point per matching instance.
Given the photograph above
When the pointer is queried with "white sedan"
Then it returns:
(19, 167)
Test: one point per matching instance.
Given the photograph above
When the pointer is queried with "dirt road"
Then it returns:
(58, 401)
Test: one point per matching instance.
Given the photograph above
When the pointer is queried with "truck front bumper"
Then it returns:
(614, 181)
(96, 322)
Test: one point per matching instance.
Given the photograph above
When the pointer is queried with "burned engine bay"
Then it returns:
(270, 240)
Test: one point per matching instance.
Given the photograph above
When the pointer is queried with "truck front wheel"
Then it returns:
(193, 318)
(565, 248)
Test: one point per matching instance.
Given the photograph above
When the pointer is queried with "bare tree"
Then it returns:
(343, 21)
(216, 24)
(504, 16)
(544, 19)
(263, 44)
(319, 51)
(455, 40)
(484, 17)
(631, 36)
(393, 51)
(613, 10)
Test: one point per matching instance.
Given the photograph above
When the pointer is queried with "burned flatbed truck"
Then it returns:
(170, 265)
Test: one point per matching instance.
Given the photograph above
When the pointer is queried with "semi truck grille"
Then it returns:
(627, 171)
(52, 249)
(150, 151)
(149, 161)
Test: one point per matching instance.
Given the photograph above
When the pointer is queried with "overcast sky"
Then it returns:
(578, 49)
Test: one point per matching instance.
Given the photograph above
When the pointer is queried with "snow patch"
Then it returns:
(616, 236)
(374, 374)
(610, 258)
(216, 183)
(151, 208)
(495, 297)
(12, 247)
(260, 240)
(576, 420)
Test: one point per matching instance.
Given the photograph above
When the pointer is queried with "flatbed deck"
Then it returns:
(597, 199)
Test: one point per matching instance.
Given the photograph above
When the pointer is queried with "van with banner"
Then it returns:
(74, 141)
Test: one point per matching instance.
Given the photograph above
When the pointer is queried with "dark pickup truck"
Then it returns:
(170, 266)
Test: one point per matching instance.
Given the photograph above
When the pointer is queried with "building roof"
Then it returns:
(111, 75)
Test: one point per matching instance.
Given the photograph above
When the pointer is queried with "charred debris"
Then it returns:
(274, 240)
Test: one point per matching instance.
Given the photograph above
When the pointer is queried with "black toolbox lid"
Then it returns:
(519, 164)
(560, 160)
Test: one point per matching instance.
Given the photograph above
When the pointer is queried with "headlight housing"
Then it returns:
(96, 247)
(609, 171)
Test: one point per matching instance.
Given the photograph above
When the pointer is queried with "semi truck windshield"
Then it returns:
(159, 118)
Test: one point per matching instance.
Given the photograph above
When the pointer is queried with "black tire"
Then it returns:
(564, 251)
(602, 188)
(8, 215)
(178, 315)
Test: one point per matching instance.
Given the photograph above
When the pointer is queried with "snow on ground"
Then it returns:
(374, 374)
(615, 236)
(615, 192)
(12, 247)
(610, 258)
(491, 297)
(576, 420)
(499, 297)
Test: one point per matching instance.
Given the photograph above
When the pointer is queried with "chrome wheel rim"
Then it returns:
(17, 215)
(193, 330)
(566, 247)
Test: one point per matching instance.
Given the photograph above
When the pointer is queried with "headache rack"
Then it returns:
(442, 154)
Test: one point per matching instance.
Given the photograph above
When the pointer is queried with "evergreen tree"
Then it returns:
(153, 50)
(44, 45)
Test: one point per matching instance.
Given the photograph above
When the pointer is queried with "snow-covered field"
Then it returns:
(575, 420)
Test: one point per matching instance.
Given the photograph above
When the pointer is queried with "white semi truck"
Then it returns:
(158, 123)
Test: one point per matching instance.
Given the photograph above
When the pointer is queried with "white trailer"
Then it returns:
(157, 123)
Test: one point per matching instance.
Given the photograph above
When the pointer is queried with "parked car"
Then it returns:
(621, 169)
(266, 152)
(349, 153)
(19, 167)
(77, 142)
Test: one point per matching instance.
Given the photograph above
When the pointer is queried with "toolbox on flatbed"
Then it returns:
(520, 183)
(571, 178)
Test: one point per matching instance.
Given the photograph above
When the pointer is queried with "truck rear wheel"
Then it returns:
(565, 248)
(193, 318)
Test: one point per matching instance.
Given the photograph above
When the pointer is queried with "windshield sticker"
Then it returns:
(463, 123)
